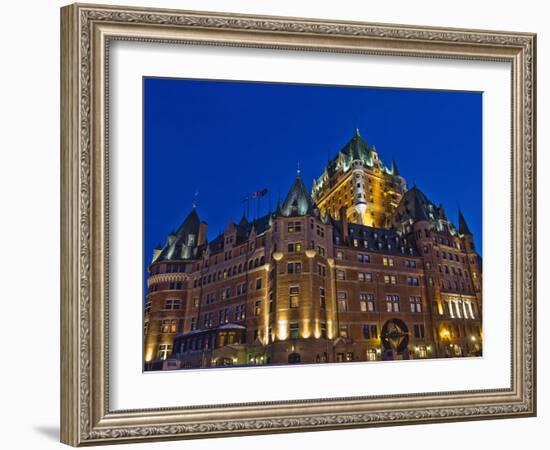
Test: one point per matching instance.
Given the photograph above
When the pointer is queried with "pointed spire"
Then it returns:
(298, 169)
(419, 211)
(394, 170)
(462, 225)
(442, 212)
(298, 201)
(279, 208)
(243, 220)
(195, 197)
(357, 132)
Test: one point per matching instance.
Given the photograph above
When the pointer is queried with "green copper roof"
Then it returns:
(182, 244)
(298, 201)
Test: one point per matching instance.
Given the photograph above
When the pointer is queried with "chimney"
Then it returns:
(344, 221)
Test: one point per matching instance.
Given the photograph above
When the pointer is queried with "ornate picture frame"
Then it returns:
(86, 34)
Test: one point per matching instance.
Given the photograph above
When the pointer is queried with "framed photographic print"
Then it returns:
(276, 224)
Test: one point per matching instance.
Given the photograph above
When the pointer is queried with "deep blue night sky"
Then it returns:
(226, 139)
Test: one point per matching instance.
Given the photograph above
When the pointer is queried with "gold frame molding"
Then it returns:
(86, 31)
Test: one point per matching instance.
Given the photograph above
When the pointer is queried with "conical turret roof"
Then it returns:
(298, 201)
(182, 243)
(462, 225)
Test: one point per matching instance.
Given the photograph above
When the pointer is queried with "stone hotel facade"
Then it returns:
(359, 269)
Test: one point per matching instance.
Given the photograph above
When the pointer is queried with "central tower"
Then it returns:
(359, 183)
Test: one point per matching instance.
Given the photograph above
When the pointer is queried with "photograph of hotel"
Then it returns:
(362, 266)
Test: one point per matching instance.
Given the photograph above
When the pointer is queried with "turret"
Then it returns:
(464, 230)
(298, 201)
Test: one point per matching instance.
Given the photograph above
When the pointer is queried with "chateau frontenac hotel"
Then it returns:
(360, 268)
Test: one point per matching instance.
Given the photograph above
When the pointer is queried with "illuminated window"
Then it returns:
(390, 279)
(257, 307)
(422, 352)
(196, 302)
(388, 261)
(392, 303)
(366, 302)
(295, 247)
(342, 301)
(340, 274)
(339, 255)
(344, 332)
(168, 326)
(349, 356)
(164, 351)
(364, 276)
(371, 354)
(294, 296)
(223, 315)
(416, 303)
(240, 312)
(294, 227)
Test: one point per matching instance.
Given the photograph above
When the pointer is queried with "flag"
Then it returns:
(258, 194)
